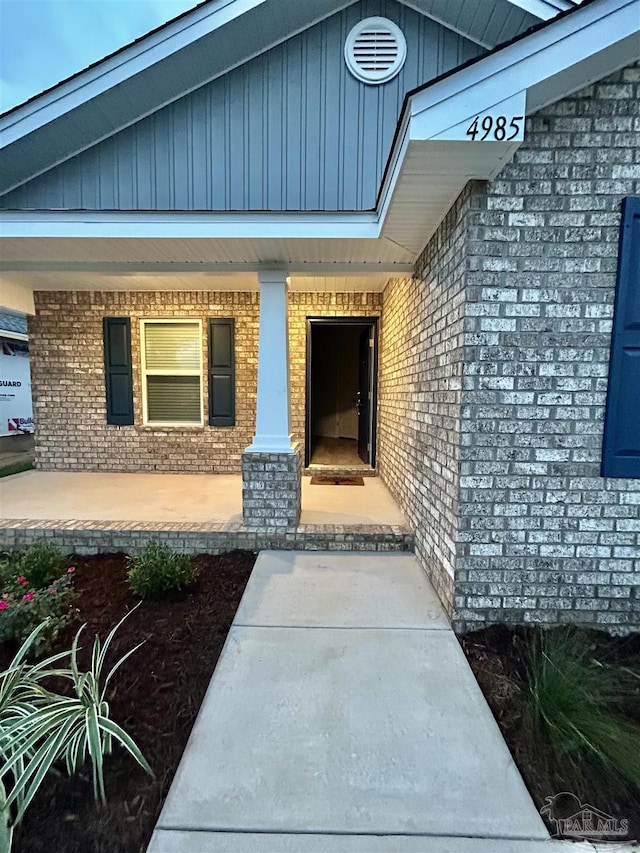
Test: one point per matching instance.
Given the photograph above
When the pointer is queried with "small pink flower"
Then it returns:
(22, 580)
(28, 596)
(5, 597)
(56, 582)
(3, 605)
(71, 569)
(53, 591)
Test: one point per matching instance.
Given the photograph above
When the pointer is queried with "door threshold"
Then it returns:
(317, 470)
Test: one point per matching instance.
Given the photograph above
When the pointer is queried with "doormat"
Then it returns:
(337, 481)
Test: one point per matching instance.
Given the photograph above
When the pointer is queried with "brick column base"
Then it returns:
(271, 489)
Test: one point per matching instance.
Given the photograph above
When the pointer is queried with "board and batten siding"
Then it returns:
(289, 130)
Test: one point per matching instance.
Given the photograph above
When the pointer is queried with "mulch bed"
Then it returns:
(158, 692)
(498, 658)
(155, 696)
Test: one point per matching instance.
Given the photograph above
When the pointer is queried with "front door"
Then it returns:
(365, 394)
(341, 391)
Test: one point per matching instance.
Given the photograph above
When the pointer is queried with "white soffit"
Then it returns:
(162, 254)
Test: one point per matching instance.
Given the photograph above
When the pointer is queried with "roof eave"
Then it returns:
(432, 158)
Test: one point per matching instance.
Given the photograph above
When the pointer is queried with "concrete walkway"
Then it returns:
(343, 717)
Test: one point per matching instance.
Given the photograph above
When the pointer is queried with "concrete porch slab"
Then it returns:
(339, 591)
(102, 496)
(193, 498)
(85, 513)
(344, 731)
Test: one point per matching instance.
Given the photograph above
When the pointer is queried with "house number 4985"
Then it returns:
(499, 128)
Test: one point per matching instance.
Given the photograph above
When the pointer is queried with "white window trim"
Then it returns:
(144, 373)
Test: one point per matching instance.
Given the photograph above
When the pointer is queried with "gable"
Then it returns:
(193, 49)
(291, 129)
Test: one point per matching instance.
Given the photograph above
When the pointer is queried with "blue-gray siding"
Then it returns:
(289, 130)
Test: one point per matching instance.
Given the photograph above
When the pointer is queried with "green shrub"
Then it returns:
(580, 707)
(159, 572)
(23, 607)
(40, 563)
(40, 728)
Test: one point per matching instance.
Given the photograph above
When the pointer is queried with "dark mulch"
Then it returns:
(155, 697)
(498, 656)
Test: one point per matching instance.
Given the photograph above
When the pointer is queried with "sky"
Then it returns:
(44, 41)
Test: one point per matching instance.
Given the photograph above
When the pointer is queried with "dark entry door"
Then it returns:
(363, 402)
(341, 388)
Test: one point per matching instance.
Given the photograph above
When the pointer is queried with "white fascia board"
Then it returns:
(395, 165)
(227, 268)
(13, 336)
(525, 63)
(125, 64)
(543, 9)
(277, 226)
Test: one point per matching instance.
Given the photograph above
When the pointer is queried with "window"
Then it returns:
(171, 372)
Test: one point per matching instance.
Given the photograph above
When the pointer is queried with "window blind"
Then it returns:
(172, 372)
(172, 346)
(173, 399)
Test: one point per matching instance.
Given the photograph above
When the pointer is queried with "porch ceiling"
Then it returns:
(218, 253)
(146, 263)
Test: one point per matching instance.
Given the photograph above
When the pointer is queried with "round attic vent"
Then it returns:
(375, 50)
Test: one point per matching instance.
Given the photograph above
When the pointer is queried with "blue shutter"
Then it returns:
(621, 444)
(118, 375)
(222, 392)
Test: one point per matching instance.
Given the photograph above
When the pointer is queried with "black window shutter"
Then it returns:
(117, 370)
(621, 443)
(222, 381)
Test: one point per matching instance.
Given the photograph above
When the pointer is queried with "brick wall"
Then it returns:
(497, 466)
(419, 395)
(543, 538)
(67, 365)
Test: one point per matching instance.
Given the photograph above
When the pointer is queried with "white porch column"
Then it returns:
(272, 466)
(273, 414)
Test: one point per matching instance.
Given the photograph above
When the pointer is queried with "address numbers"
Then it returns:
(498, 128)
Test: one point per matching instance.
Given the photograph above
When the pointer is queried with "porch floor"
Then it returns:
(335, 451)
(195, 498)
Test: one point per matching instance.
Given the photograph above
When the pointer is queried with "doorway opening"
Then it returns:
(342, 361)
